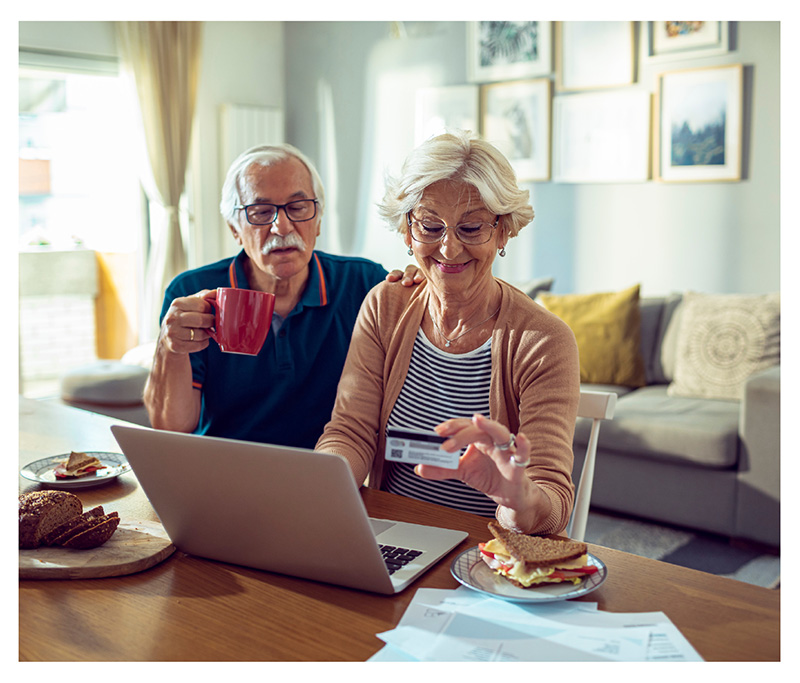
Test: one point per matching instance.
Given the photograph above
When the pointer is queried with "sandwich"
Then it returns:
(528, 561)
(77, 465)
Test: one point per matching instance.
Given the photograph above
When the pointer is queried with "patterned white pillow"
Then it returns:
(722, 340)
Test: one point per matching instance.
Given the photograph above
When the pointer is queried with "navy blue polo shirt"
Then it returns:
(285, 394)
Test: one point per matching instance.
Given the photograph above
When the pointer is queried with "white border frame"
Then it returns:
(532, 98)
(543, 66)
(691, 50)
(602, 137)
(732, 77)
(594, 54)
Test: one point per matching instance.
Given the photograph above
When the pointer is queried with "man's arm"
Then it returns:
(171, 401)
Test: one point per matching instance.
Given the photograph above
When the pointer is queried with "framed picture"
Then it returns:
(602, 137)
(508, 50)
(438, 109)
(516, 119)
(667, 40)
(594, 54)
(700, 124)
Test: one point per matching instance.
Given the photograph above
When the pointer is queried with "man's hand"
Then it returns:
(410, 277)
(185, 326)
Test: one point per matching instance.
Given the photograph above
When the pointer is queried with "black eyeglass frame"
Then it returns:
(454, 227)
(278, 207)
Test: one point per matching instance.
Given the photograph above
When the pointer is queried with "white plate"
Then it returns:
(43, 471)
(469, 569)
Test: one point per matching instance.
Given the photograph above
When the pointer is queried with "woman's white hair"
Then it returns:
(460, 156)
(263, 155)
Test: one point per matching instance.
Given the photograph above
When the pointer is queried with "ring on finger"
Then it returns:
(191, 334)
(520, 463)
(509, 445)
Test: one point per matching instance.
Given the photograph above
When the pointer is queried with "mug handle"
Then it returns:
(212, 332)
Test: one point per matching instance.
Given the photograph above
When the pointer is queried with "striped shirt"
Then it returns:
(440, 386)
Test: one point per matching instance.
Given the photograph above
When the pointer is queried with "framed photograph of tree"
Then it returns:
(506, 50)
(700, 125)
(515, 117)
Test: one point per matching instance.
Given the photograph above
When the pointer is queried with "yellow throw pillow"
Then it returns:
(607, 327)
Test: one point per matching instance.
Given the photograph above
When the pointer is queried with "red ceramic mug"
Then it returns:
(242, 318)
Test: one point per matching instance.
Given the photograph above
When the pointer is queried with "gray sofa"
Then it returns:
(706, 464)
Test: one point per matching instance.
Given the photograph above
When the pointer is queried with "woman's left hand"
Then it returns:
(494, 464)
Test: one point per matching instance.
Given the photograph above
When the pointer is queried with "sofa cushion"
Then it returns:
(607, 327)
(650, 310)
(534, 287)
(722, 340)
(649, 424)
(663, 368)
(105, 382)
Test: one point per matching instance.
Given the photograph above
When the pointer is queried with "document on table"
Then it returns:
(462, 625)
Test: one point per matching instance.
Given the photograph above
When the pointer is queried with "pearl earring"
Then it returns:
(410, 251)
(502, 252)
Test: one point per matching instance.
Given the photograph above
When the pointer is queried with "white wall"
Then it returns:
(242, 64)
(712, 237)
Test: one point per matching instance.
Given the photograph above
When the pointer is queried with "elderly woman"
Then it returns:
(462, 346)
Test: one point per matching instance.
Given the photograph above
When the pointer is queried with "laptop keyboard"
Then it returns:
(396, 557)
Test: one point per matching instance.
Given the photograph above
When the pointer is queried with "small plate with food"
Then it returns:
(522, 568)
(77, 469)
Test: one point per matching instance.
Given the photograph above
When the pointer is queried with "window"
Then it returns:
(80, 204)
(78, 180)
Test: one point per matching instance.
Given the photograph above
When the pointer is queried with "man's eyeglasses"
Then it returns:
(265, 214)
(430, 231)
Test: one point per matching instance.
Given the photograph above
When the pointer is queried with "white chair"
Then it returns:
(597, 406)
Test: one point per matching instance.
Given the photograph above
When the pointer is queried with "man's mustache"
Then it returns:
(280, 242)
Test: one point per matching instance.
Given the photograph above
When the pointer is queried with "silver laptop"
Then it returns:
(286, 510)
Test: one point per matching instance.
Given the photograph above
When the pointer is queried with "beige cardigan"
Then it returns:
(535, 386)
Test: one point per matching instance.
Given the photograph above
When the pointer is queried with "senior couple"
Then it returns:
(443, 346)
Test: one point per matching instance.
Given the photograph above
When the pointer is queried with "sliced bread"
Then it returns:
(537, 551)
(70, 524)
(84, 525)
(94, 536)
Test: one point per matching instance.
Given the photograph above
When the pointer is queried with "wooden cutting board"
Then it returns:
(134, 547)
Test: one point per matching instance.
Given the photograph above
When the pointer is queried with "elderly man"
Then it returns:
(273, 201)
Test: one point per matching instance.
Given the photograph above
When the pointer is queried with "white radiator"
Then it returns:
(242, 127)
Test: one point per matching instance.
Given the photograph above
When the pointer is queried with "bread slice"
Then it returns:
(86, 524)
(42, 511)
(70, 524)
(537, 551)
(96, 535)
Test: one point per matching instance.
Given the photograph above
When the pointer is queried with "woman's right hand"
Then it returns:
(187, 321)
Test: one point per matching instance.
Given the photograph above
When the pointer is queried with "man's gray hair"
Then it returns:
(460, 156)
(263, 155)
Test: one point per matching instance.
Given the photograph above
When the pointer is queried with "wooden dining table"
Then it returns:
(186, 608)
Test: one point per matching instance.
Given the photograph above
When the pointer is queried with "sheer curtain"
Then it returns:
(162, 61)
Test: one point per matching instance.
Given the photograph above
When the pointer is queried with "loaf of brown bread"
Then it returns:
(42, 511)
(56, 518)
(82, 521)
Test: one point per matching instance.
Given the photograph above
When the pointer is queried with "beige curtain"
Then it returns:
(162, 60)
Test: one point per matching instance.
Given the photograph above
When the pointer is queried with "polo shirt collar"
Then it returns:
(315, 293)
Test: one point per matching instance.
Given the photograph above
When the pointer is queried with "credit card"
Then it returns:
(419, 447)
